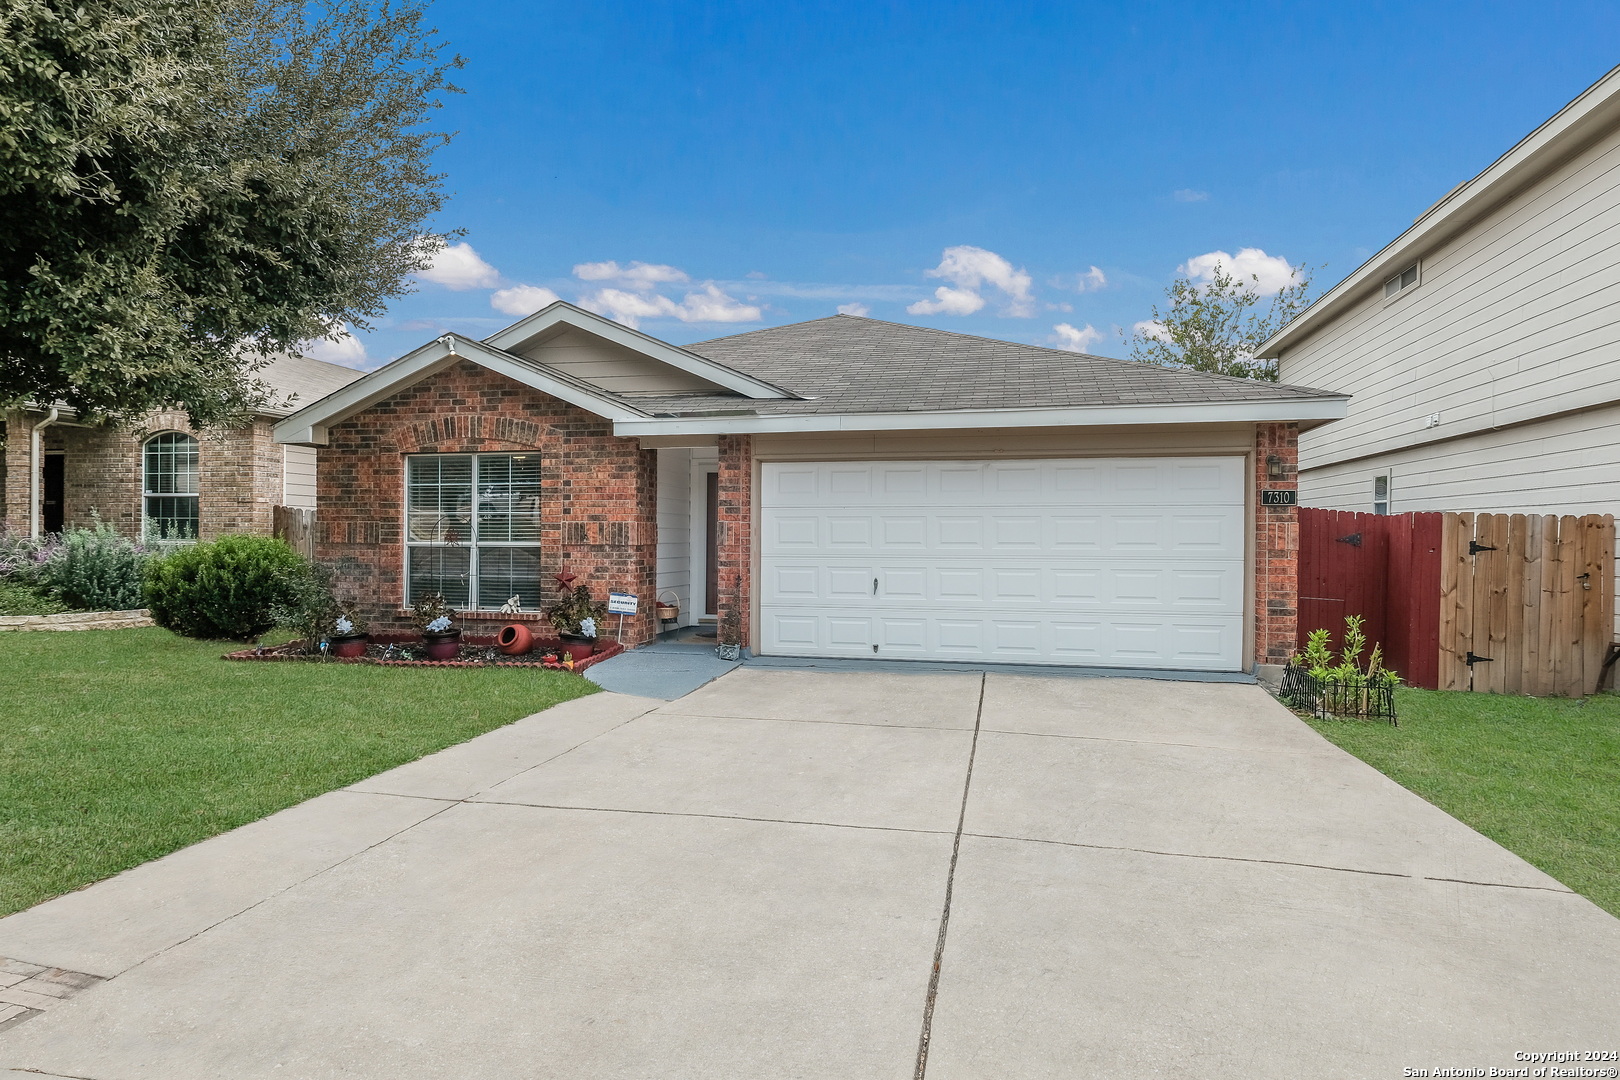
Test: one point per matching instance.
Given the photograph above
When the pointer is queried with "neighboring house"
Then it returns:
(843, 487)
(163, 479)
(1481, 346)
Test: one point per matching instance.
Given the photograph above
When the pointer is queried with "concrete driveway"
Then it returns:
(796, 874)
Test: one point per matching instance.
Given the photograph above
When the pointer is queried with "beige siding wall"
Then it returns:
(298, 476)
(1514, 318)
(612, 367)
(675, 528)
(1048, 442)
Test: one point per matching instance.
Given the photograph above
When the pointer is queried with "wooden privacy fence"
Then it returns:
(296, 525)
(1526, 603)
(1529, 599)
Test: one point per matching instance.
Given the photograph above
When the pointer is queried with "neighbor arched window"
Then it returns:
(169, 487)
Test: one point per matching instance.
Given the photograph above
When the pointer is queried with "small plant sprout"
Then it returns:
(438, 625)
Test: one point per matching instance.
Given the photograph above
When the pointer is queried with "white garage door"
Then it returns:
(1117, 562)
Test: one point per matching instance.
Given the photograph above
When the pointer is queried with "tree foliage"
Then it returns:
(1219, 325)
(188, 186)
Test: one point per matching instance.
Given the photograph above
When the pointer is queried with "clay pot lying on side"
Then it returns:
(515, 639)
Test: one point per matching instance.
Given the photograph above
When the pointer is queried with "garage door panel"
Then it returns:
(1118, 562)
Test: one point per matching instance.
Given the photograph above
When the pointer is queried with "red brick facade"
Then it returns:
(598, 491)
(1276, 544)
(240, 474)
(736, 540)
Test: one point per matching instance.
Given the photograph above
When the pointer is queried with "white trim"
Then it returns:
(1320, 409)
(561, 311)
(308, 425)
(1596, 108)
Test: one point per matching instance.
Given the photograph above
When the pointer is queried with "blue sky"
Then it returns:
(702, 169)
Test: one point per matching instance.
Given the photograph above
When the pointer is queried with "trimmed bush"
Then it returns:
(97, 569)
(227, 589)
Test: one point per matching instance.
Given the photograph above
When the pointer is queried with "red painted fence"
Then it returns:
(1385, 568)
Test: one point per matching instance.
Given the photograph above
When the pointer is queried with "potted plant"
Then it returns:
(730, 645)
(349, 636)
(574, 617)
(441, 638)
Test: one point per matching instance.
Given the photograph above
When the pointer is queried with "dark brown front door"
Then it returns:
(53, 487)
(711, 585)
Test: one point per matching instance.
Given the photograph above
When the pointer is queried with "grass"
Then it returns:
(26, 600)
(118, 746)
(1540, 776)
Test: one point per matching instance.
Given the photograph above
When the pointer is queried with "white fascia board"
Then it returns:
(308, 425)
(1598, 106)
(1319, 410)
(563, 312)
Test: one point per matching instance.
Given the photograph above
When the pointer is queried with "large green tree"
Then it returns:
(1218, 325)
(188, 187)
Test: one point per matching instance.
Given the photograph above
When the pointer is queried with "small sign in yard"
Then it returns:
(622, 603)
(1279, 498)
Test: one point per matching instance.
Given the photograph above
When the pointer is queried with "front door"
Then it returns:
(711, 558)
(53, 484)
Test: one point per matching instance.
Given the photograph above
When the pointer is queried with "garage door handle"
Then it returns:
(874, 586)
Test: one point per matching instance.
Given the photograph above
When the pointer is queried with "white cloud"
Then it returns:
(1269, 274)
(1148, 328)
(1079, 340)
(460, 268)
(854, 309)
(638, 275)
(340, 348)
(710, 304)
(1188, 194)
(1093, 279)
(522, 299)
(949, 302)
(971, 268)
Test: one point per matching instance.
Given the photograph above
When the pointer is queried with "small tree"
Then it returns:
(1217, 327)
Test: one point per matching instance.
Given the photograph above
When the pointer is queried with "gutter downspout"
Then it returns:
(36, 444)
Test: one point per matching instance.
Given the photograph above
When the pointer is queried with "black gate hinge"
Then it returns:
(1354, 540)
(1472, 659)
(1475, 547)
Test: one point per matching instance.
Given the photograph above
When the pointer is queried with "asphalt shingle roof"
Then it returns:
(849, 364)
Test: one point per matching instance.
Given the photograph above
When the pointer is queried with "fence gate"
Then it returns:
(1526, 602)
(1374, 565)
(295, 525)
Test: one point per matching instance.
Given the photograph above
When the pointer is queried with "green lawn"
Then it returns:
(1540, 776)
(118, 746)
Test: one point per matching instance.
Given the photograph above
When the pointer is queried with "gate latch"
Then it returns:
(1475, 547)
(1472, 659)
(1354, 540)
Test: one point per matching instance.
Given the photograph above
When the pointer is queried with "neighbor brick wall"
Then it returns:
(736, 524)
(240, 476)
(598, 491)
(1276, 548)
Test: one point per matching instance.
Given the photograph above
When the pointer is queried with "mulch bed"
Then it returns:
(406, 650)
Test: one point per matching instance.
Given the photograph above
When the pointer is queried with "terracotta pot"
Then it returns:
(350, 646)
(578, 647)
(515, 639)
(446, 646)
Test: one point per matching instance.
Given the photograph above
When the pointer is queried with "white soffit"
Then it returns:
(1309, 412)
(308, 425)
(562, 312)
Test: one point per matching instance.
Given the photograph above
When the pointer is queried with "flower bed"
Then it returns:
(389, 650)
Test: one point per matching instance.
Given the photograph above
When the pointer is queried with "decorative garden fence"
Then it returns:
(1504, 603)
(1355, 697)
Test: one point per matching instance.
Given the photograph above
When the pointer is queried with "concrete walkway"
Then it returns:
(814, 874)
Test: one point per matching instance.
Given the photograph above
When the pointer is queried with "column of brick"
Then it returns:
(1276, 557)
(14, 477)
(736, 527)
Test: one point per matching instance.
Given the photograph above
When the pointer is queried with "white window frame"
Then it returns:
(1381, 507)
(471, 542)
(147, 493)
(1416, 270)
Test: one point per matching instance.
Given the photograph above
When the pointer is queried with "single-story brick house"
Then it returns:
(842, 487)
(161, 478)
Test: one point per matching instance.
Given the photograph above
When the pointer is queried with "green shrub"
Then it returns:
(96, 569)
(307, 606)
(227, 589)
(20, 599)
